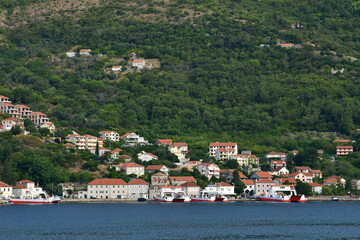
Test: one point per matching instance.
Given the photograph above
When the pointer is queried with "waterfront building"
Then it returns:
(107, 189)
(262, 186)
(5, 190)
(209, 170)
(138, 188)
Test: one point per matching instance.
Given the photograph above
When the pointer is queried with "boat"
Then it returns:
(141, 199)
(42, 198)
(204, 197)
(220, 198)
(282, 193)
(164, 198)
(181, 198)
(334, 199)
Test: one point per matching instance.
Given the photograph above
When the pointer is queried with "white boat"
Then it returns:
(181, 198)
(204, 197)
(164, 198)
(220, 198)
(282, 193)
(42, 198)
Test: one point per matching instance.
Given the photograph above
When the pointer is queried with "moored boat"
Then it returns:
(221, 199)
(282, 193)
(34, 200)
(181, 198)
(164, 198)
(204, 197)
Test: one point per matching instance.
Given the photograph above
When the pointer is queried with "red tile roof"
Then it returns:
(315, 171)
(131, 165)
(125, 135)
(107, 181)
(20, 186)
(108, 132)
(154, 167)
(138, 182)
(22, 106)
(278, 162)
(125, 156)
(89, 136)
(248, 182)
(314, 184)
(116, 150)
(223, 184)
(1, 96)
(178, 144)
(2, 184)
(264, 174)
(229, 144)
(345, 147)
(265, 181)
(341, 140)
(189, 184)
(303, 167)
(153, 155)
(24, 181)
(69, 145)
(12, 119)
(275, 153)
(85, 50)
(283, 180)
(165, 141)
(183, 178)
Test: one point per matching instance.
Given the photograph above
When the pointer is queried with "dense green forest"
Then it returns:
(215, 82)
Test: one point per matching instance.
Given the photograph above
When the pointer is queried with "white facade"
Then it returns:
(139, 63)
(26, 188)
(209, 170)
(222, 151)
(116, 68)
(180, 149)
(138, 188)
(110, 135)
(131, 168)
(115, 154)
(281, 156)
(145, 157)
(107, 189)
(5, 190)
(304, 177)
(249, 186)
(133, 138)
(70, 54)
(85, 52)
(280, 171)
(221, 188)
(245, 160)
(38, 118)
(102, 151)
(262, 186)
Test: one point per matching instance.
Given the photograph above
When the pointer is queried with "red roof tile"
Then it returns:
(20, 186)
(116, 150)
(228, 144)
(24, 181)
(248, 182)
(183, 178)
(189, 184)
(131, 165)
(265, 181)
(264, 174)
(138, 182)
(165, 141)
(2, 184)
(107, 181)
(154, 167)
(224, 184)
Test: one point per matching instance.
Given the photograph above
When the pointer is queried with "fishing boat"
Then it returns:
(220, 198)
(164, 198)
(204, 197)
(181, 198)
(282, 193)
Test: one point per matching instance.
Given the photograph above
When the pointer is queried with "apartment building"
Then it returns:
(107, 189)
(222, 151)
(110, 135)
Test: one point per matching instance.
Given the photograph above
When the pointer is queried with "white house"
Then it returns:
(249, 187)
(221, 188)
(85, 52)
(163, 142)
(131, 168)
(209, 170)
(70, 54)
(245, 160)
(262, 186)
(50, 126)
(139, 63)
(180, 149)
(26, 188)
(138, 188)
(102, 151)
(179, 180)
(110, 135)
(222, 151)
(344, 150)
(116, 68)
(281, 156)
(191, 189)
(107, 189)
(145, 156)
(133, 138)
(9, 123)
(5, 190)
(303, 176)
(153, 168)
(115, 154)
(278, 171)
(65, 187)
(275, 164)
(261, 175)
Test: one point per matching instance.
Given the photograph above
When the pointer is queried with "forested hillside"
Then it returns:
(215, 82)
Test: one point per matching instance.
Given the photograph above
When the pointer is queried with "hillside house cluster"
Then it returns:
(20, 112)
(84, 141)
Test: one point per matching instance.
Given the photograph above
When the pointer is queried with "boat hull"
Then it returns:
(32, 201)
(159, 199)
(292, 199)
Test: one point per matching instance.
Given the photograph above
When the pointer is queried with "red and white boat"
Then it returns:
(282, 193)
(164, 198)
(220, 198)
(181, 198)
(204, 197)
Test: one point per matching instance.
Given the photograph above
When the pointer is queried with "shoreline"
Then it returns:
(310, 199)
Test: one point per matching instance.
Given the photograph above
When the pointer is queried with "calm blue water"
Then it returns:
(234, 220)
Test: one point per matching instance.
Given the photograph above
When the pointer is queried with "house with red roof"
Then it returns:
(209, 170)
(85, 52)
(191, 189)
(38, 118)
(316, 187)
(180, 149)
(5, 190)
(285, 181)
(109, 135)
(295, 152)
(107, 189)
(131, 168)
(26, 188)
(9, 123)
(138, 188)
(275, 164)
(116, 153)
(316, 173)
(341, 141)
(344, 150)
(4, 99)
(10, 109)
(261, 175)
(305, 177)
(84, 141)
(249, 186)
(355, 183)
(334, 180)
(23, 110)
(301, 169)
(277, 155)
(125, 157)
(50, 126)
(178, 180)
(163, 142)
(153, 168)
(222, 188)
(262, 186)
(146, 157)
(280, 171)
(222, 151)
(138, 63)
(228, 174)
(133, 138)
